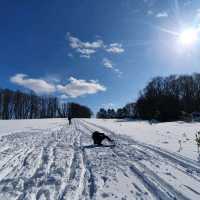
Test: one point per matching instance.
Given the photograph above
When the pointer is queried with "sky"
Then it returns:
(97, 53)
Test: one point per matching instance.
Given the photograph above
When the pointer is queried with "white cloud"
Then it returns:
(115, 48)
(162, 14)
(39, 86)
(79, 87)
(75, 87)
(107, 63)
(85, 53)
(84, 48)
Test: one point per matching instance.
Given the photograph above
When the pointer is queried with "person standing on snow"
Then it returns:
(69, 115)
(69, 119)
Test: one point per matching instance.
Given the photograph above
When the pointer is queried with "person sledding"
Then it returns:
(98, 137)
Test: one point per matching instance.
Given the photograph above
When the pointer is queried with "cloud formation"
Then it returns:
(163, 14)
(79, 87)
(86, 49)
(115, 48)
(109, 64)
(39, 86)
(75, 87)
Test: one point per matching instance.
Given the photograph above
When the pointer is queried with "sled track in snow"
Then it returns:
(47, 165)
(74, 186)
(64, 165)
(189, 164)
(155, 183)
(41, 165)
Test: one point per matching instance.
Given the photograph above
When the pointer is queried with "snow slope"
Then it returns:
(61, 163)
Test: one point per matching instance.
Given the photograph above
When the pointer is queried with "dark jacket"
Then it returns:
(99, 137)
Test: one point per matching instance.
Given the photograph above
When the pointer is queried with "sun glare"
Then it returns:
(188, 37)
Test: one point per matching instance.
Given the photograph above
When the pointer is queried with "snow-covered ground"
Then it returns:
(48, 159)
(31, 125)
(164, 135)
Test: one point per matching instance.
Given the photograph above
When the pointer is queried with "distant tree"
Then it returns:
(128, 111)
(7, 104)
(1, 103)
(102, 114)
(63, 110)
(121, 113)
(79, 111)
(111, 113)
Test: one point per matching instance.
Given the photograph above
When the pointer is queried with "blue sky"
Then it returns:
(97, 53)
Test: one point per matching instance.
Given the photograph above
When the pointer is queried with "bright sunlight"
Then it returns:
(188, 37)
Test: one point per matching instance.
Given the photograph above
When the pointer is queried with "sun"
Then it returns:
(188, 37)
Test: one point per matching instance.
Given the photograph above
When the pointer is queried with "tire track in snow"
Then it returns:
(154, 183)
(45, 181)
(61, 165)
(186, 163)
(106, 168)
(32, 173)
(88, 183)
(33, 185)
(189, 166)
(150, 187)
(75, 182)
(147, 177)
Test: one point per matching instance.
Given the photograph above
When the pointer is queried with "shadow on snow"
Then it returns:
(96, 146)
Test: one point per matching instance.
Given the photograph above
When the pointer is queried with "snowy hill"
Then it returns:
(48, 159)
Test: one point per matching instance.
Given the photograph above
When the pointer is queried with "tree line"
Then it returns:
(169, 98)
(20, 105)
(128, 111)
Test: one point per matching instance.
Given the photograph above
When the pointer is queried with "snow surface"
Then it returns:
(48, 159)
(31, 125)
(164, 135)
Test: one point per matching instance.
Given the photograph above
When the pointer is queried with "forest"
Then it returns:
(170, 98)
(21, 105)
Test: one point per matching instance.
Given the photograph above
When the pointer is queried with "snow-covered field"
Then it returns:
(164, 135)
(35, 125)
(48, 159)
